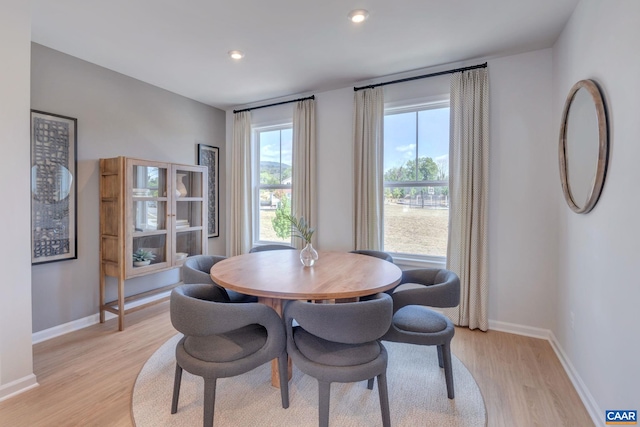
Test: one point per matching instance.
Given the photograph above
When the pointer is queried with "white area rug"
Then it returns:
(417, 395)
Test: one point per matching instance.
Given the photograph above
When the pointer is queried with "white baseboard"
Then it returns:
(589, 402)
(18, 386)
(78, 324)
(516, 329)
(583, 392)
(65, 328)
(29, 382)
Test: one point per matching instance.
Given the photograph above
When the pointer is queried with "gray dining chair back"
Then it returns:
(378, 254)
(415, 323)
(196, 268)
(223, 340)
(340, 343)
(270, 247)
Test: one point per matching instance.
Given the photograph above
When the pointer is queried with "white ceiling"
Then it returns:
(291, 46)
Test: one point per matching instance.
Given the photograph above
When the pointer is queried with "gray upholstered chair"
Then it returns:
(378, 254)
(196, 270)
(223, 340)
(415, 323)
(340, 343)
(270, 247)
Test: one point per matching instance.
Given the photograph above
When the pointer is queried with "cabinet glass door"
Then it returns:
(150, 240)
(190, 222)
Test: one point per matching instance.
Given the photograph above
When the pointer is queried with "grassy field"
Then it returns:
(415, 230)
(407, 230)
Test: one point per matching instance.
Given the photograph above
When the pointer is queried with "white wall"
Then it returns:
(523, 191)
(117, 116)
(523, 179)
(334, 124)
(16, 363)
(599, 255)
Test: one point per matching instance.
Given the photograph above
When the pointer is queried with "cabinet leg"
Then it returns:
(102, 293)
(120, 304)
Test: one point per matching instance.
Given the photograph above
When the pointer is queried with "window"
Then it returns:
(416, 180)
(275, 158)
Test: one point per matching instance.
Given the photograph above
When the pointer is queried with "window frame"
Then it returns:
(408, 106)
(256, 185)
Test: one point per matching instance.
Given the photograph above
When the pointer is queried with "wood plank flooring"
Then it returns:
(86, 377)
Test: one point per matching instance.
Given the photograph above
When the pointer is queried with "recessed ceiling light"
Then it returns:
(358, 15)
(236, 54)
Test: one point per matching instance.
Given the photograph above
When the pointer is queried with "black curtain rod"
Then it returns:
(272, 105)
(408, 79)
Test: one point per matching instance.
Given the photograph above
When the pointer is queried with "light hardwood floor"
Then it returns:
(86, 377)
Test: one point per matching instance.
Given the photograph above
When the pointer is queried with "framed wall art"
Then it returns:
(54, 148)
(210, 157)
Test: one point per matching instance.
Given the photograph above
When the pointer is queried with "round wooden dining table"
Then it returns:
(276, 276)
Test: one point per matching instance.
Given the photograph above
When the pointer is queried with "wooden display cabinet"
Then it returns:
(154, 206)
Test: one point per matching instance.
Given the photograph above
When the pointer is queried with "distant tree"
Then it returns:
(394, 193)
(281, 224)
(394, 174)
(427, 169)
(443, 170)
(286, 173)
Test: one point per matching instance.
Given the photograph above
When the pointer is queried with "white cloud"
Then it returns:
(409, 147)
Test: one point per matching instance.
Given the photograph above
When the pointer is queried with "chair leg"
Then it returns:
(176, 389)
(384, 399)
(324, 392)
(284, 379)
(448, 371)
(209, 402)
(370, 383)
(440, 356)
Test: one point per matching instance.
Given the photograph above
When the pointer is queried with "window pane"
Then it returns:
(276, 158)
(433, 144)
(287, 155)
(269, 157)
(272, 230)
(400, 146)
(416, 220)
(416, 148)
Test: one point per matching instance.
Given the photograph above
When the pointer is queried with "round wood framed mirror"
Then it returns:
(584, 146)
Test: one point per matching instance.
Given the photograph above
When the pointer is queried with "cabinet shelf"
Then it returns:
(189, 199)
(112, 306)
(185, 229)
(144, 205)
(148, 233)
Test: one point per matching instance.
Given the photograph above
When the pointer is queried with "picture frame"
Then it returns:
(54, 185)
(209, 156)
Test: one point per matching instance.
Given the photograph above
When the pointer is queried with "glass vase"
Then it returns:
(181, 189)
(308, 255)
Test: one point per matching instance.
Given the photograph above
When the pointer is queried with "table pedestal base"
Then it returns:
(276, 304)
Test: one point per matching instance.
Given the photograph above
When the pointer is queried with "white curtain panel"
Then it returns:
(468, 187)
(304, 192)
(368, 155)
(241, 223)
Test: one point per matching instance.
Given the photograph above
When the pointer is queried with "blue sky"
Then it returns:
(270, 146)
